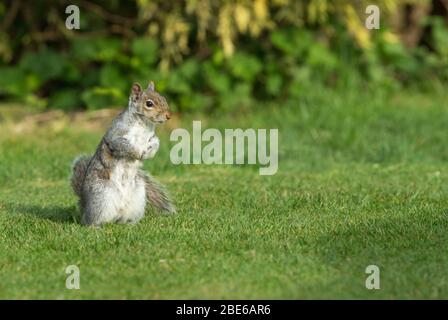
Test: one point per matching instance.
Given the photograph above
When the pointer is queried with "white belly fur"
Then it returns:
(139, 137)
(130, 197)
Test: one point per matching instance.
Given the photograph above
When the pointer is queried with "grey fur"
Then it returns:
(156, 193)
(111, 185)
(79, 168)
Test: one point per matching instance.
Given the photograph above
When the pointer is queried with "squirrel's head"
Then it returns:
(149, 103)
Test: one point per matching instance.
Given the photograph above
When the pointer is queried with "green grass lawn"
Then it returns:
(361, 181)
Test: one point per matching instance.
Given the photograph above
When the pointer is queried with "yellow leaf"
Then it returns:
(355, 27)
(242, 17)
(260, 9)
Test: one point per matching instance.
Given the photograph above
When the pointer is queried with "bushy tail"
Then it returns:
(79, 169)
(156, 194)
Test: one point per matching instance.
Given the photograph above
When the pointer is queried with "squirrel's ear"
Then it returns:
(151, 86)
(136, 91)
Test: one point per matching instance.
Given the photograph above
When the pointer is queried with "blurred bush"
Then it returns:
(210, 55)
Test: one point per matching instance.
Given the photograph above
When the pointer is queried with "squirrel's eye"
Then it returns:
(149, 103)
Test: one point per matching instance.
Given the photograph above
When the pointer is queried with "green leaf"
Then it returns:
(244, 66)
(177, 84)
(12, 81)
(292, 42)
(100, 97)
(68, 99)
(274, 84)
(146, 50)
(111, 76)
(101, 49)
(320, 56)
(189, 69)
(45, 64)
(197, 102)
(218, 80)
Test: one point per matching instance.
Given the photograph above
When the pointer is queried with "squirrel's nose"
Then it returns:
(168, 116)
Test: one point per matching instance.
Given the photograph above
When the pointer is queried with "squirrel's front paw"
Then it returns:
(153, 146)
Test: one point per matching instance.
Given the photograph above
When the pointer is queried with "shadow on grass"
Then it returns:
(409, 247)
(409, 250)
(60, 214)
(423, 232)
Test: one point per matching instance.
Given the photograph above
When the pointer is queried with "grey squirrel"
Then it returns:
(111, 185)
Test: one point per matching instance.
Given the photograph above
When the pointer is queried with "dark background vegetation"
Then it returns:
(216, 55)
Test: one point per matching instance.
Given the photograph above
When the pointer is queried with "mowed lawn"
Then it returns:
(362, 180)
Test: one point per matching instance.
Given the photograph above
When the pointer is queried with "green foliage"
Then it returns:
(98, 97)
(209, 55)
(98, 50)
(145, 51)
(67, 99)
(13, 81)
